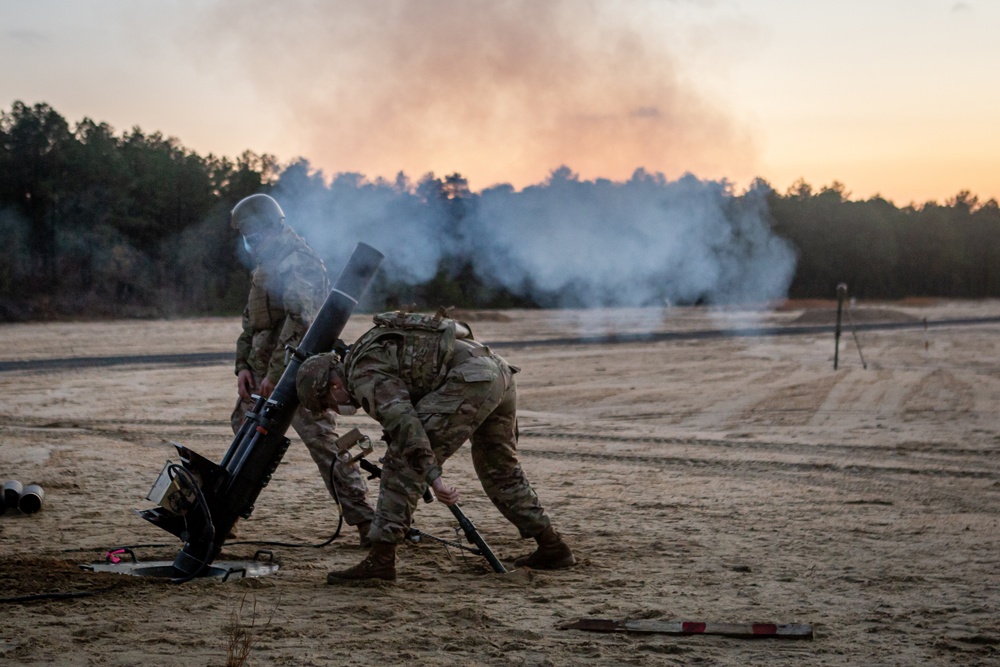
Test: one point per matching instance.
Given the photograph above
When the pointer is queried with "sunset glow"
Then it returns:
(894, 99)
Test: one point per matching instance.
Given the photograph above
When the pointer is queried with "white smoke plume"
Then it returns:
(564, 242)
(503, 92)
(646, 241)
(389, 216)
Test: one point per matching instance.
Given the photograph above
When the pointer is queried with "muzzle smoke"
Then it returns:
(565, 242)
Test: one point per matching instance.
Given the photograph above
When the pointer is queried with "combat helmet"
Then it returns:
(312, 382)
(255, 214)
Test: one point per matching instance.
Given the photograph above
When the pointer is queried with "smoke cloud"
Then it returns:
(501, 91)
(565, 242)
(647, 241)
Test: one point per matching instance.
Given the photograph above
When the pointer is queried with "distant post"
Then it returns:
(841, 294)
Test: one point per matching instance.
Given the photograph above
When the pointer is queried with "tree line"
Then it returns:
(98, 224)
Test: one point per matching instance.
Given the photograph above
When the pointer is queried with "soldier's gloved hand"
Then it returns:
(267, 387)
(446, 494)
(245, 384)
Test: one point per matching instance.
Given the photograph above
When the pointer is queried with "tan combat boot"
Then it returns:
(363, 540)
(380, 563)
(552, 553)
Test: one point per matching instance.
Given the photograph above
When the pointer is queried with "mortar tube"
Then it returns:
(12, 490)
(249, 468)
(31, 499)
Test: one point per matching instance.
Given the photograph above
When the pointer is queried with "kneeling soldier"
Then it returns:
(432, 387)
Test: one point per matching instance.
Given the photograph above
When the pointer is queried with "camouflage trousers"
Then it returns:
(318, 432)
(477, 402)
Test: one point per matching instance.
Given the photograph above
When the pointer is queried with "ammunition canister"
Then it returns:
(12, 492)
(31, 499)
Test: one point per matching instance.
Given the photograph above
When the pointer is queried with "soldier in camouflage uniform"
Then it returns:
(432, 387)
(288, 287)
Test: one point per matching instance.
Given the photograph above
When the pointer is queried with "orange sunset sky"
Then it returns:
(888, 97)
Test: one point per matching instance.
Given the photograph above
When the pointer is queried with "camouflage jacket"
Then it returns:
(288, 288)
(394, 365)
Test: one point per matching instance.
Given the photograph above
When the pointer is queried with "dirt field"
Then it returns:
(727, 480)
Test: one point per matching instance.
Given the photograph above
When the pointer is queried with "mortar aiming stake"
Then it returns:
(841, 293)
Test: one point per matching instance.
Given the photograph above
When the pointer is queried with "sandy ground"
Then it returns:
(728, 480)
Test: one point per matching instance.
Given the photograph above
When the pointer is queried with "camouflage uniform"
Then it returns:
(431, 391)
(288, 287)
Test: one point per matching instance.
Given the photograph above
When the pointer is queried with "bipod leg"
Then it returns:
(854, 333)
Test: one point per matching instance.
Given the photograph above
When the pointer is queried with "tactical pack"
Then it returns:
(399, 319)
(426, 343)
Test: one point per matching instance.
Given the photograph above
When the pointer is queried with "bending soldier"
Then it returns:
(432, 387)
(288, 287)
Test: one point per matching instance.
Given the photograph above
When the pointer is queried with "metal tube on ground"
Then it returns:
(12, 490)
(841, 293)
(31, 499)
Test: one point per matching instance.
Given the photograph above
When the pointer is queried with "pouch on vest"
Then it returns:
(258, 308)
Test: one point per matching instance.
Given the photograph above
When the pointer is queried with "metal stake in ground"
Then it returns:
(854, 333)
(841, 293)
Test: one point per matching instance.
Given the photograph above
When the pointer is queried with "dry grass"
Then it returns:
(241, 636)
